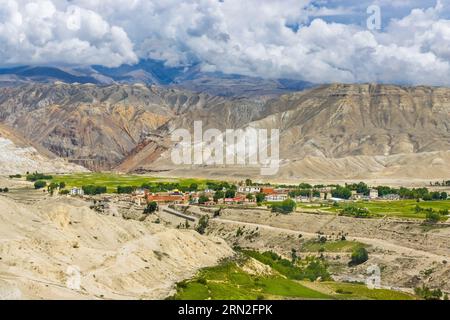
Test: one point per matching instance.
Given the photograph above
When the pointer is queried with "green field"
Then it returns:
(229, 281)
(401, 208)
(331, 246)
(112, 181)
(360, 291)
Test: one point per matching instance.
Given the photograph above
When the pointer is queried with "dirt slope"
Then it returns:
(42, 245)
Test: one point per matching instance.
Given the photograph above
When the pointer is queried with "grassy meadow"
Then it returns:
(113, 180)
(231, 281)
(400, 208)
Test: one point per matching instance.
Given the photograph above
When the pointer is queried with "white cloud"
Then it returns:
(253, 37)
(44, 32)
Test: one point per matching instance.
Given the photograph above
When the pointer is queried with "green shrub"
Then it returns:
(202, 224)
(38, 176)
(93, 190)
(285, 207)
(355, 211)
(341, 193)
(40, 184)
(203, 199)
(125, 189)
(428, 294)
(151, 207)
(432, 217)
(359, 256)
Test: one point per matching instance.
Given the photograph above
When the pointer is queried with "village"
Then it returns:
(239, 195)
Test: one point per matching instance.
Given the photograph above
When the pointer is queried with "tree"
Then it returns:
(250, 197)
(193, 187)
(230, 193)
(432, 217)
(151, 207)
(285, 207)
(444, 195)
(38, 176)
(248, 182)
(125, 189)
(202, 224)
(62, 185)
(93, 190)
(40, 184)
(359, 256)
(260, 197)
(203, 199)
(342, 193)
(5, 190)
(218, 195)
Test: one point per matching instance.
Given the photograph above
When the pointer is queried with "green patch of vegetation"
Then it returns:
(38, 176)
(202, 224)
(401, 208)
(310, 268)
(331, 246)
(94, 190)
(229, 281)
(359, 256)
(40, 184)
(355, 211)
(151, 207)
(285, 207)
(360, 291)
(429, 294)
(112, 181)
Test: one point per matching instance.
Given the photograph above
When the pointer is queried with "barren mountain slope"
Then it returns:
(339, 131)
(344, 120)
(41, 247)
(91, 125)
(17, 155)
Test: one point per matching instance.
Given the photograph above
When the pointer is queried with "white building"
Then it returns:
(373, 194)
(249, 189)
(76, 191)
(276, 197)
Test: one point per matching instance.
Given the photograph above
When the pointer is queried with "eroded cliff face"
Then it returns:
(128, 127)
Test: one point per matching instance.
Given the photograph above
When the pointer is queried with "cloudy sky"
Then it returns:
(314, 40)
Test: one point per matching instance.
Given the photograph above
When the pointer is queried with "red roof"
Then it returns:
(165, 198)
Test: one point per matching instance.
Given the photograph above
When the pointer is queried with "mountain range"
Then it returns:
(339, 131)
(154, 72)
